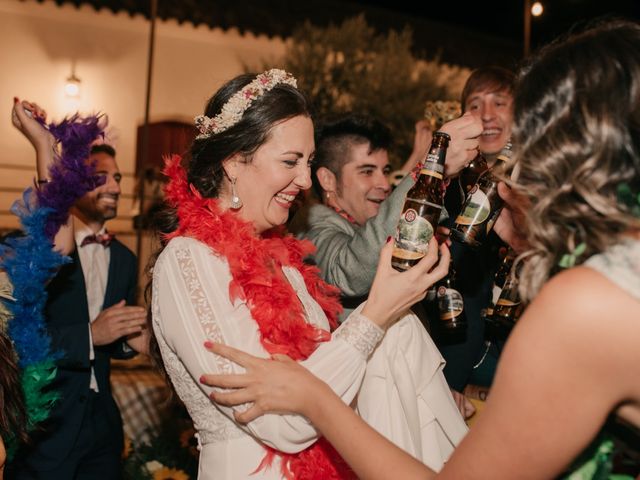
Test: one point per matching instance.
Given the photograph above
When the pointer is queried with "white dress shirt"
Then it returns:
(94, 259)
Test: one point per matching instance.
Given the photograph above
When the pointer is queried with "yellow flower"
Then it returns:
(166, 473)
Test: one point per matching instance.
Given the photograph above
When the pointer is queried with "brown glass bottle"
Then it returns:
(482, 205)
(422, 207)
(471, 173)
(500, 278)
(509, 307)
(450, 304)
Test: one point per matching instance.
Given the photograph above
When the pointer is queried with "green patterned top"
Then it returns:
(621, 265)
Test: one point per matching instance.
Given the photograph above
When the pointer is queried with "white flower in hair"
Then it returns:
(235, 107)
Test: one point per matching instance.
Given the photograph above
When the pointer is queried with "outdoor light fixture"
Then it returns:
(537, 9)
(72, 85)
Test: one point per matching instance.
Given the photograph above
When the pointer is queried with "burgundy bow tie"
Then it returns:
(103, 238)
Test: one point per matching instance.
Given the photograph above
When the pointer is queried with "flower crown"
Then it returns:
(235, 107)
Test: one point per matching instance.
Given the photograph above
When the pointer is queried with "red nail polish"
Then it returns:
(15, 100)
(208, 344)
(388, 238)
(202, 379)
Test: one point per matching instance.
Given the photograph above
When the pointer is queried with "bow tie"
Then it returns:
(103, 239)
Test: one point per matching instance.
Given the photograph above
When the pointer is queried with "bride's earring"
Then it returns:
(236, 201)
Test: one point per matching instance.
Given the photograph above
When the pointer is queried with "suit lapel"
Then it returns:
(82, 286)
(114, 265)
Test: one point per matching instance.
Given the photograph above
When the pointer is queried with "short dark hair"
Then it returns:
(495, 78)
(336, 137)
(103, 148)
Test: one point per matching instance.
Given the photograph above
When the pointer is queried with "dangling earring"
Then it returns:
(236, 201)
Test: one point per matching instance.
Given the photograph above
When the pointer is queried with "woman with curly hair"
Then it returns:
(571, 363)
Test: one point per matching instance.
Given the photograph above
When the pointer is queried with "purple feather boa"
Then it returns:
(70, 177)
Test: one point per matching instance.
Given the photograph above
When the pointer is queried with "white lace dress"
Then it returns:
(191, 304)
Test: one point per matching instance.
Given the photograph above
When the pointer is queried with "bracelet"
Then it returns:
(37, 183)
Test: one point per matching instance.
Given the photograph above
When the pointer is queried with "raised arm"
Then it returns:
(421, 141)
(347, 256)
(29, 118)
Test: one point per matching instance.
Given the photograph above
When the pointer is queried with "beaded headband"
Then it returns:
(235, 107)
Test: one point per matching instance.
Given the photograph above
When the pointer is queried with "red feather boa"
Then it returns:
(255, 263)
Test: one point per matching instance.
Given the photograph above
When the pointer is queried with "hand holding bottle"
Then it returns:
(463, 147)
(393, 292)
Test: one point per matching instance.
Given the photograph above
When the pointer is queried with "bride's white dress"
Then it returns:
(396, 384)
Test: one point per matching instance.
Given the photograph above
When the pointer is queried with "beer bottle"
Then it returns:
(450, 305)
(470, 174)
(422, 207)
(500, 278)
(509, 307)
(482, 205)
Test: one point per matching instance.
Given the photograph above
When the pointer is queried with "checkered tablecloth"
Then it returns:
(141, 393)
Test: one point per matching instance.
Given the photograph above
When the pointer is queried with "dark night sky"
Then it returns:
(504, 18)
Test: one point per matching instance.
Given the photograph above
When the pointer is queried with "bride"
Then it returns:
(225, 274)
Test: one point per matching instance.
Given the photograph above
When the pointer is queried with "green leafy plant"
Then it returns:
(350, 67)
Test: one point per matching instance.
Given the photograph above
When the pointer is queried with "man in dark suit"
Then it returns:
(91, 318)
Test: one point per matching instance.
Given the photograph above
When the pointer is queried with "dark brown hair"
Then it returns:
(204, 161)
(13, 415)
(495, 79)
(336, 137)
(577, 139)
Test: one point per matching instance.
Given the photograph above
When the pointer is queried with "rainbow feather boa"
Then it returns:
(30, 261)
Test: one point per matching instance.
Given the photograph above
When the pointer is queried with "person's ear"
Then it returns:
(327, 180)
(232, 166)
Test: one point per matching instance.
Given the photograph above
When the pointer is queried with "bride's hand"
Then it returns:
(278, 385)
(393, 292)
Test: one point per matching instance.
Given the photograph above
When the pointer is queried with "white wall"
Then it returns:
(40, 41)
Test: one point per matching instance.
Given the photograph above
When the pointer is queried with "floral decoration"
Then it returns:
(166, 473)
(235, 107)
(440, 112)
(170, 453)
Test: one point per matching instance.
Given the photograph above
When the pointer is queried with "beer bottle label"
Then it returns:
(412, 235)
(432, 167)
(450, 303)
(476, 208)
(495, 293)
